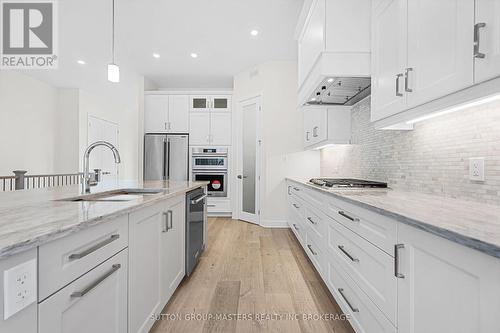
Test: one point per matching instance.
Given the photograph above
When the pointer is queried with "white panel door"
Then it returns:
(220, 129)
(155, 113)
(199, 128)
(178, 114)
(389, 29)
(445, 287)
(319, 124)
(102, 158)
(488, 40)
(440, 51)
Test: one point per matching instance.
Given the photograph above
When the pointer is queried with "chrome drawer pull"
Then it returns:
(341, 247)
(397, 85)
(94, 248)
(296, 189)
(477, 53)
(296, 206)
(396, 261)
(407, 78)
(295, 226)
(354, 219)
(310, 249)
(353, 309)
(96, 282)
(312, 221)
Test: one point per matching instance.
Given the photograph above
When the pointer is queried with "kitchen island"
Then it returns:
(111, 258)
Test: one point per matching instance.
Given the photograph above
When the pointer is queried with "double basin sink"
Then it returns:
(116, 195)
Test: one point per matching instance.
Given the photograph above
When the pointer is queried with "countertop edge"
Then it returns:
(473, 243)
(11, 250)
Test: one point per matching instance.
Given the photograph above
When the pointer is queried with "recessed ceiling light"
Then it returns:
(330, 80)
(81, 62)
(156, 55)
(194, 55)
(254, 32)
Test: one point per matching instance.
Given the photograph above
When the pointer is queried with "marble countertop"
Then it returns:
(471, 224)
(29, 218)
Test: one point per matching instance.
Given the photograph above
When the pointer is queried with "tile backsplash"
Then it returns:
(432, 158)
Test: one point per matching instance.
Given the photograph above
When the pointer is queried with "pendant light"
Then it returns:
(113, 69)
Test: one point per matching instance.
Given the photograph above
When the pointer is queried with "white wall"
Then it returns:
(29, 126)
(283, 157)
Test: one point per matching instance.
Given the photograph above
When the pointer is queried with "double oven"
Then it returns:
(211, 164)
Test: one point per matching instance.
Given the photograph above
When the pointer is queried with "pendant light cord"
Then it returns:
(113, 31)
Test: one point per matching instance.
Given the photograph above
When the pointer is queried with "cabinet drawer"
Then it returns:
(214, 206)
(370, 268)
(308, 195)
(68, 258)
(96, 302)
(315, 250)
(365, 316)
(296, 206)
(378, 230)
(298, 229)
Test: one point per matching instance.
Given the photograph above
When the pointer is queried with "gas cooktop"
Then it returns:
(347, 183)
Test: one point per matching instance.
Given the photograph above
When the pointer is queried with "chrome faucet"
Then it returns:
(92, 179)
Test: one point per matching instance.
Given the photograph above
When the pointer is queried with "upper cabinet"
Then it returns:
(325, 126)
(210, 103)
(428, 55)
(487, 40)
(166, 113)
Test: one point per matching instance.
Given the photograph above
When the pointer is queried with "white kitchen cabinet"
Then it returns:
(220, 103)
(207, 103)
(199, 103)
(389, 26)
(212, 128)
(421, 51)
(326, 125)
(439, 49)
(487, 40)
(220, 129)
(199, 128)
(172, 253)
(96, 302)
(145, 245)
(445, 287)
(166, 113)
(155, 113)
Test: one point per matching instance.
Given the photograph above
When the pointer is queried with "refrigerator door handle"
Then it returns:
(164, 158)
(168, 159)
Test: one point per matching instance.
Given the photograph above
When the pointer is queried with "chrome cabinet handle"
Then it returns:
(94, 248)
(341, 247)
(354, 219)
(296, 189)
(170, 219)
(407, 78)
(477, 34)
(310, 249)
(315, 131)
(197, 200)
(307, 136)
(397, 85)
(296, 206)
(165, 222)
(211, 205)
(165, 125)
(289, 190)
(94, 284)
(312, 221)
(396, 261)
(295, 226)
(353, 309)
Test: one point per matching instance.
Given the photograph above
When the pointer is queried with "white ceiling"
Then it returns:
(217, 30)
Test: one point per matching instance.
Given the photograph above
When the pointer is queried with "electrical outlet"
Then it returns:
(476, 169)
(20, 288)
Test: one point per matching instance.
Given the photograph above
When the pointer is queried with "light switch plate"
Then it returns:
(20, 287)
(476, 169)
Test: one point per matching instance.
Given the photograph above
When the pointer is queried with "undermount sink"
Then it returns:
(116, 195)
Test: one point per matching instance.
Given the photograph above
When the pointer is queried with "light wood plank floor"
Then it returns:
(248, 269)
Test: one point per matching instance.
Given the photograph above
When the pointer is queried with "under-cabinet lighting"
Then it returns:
(324, 146)
(456, 108)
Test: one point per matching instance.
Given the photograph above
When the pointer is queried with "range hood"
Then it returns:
(340, 91)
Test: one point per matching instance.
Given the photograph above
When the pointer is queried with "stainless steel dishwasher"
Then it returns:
(196, 217)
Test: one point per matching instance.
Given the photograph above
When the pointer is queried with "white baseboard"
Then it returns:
(274, 224)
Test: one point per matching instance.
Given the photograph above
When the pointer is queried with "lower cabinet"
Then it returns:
(445, 287)
(156, 247)
(96, 302)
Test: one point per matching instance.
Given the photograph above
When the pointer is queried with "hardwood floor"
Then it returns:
(250, 270)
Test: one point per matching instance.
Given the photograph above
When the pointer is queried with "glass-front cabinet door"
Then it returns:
(199, 103)
(221, 103)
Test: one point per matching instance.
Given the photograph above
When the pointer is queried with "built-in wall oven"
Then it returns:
(211, 164)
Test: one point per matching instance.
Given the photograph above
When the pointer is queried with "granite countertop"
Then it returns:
(29, 218)
(471, 224)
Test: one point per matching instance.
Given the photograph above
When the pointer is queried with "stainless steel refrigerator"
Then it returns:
(166, 157)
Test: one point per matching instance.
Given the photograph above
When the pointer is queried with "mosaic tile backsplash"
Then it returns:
(432, 158)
